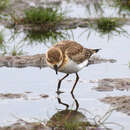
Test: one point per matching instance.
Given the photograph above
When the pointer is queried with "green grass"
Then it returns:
(43, 23)
(42, 15)
(3, 4)
(107, 25)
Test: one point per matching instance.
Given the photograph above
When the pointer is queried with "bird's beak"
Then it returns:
(56, 69)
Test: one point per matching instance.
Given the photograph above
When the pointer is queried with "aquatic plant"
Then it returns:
(42, 24)
(44, 37)
(44, 20)
(42, 16)
(107, 25)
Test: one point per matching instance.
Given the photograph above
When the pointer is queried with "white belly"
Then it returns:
(72, 67)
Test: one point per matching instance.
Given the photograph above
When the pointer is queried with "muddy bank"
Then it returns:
(23, 125)
(66, 23)
(23, 61)
(24, 96)
(112, 84)
(39, 61)
(37, 126)
(41, 125)
(12, 96)
(120, 103)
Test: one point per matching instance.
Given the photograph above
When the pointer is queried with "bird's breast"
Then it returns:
(72, 67)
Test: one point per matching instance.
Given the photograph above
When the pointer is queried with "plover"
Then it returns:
(68, 57)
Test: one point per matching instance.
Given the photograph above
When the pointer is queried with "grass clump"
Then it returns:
(43, 23)
(42, 15)
(107, 25)
(3, 4)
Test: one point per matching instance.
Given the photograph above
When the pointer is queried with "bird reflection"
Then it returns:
(64, 118)
(66, 105)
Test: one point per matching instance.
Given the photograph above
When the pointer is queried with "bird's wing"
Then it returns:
(70, 47)
(80, 56)
(75, 51)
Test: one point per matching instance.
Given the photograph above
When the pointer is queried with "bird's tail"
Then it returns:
(95, 50)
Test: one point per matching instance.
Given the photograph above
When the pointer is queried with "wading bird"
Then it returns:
(68, 57)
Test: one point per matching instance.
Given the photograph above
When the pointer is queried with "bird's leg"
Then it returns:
(60, 102)
(77, 78)
(76, 101)
(59, 83)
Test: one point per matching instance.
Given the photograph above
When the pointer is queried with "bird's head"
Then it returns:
(54, 58)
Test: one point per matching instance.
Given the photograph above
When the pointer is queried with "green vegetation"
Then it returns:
(3, 4)
(39, 36)
(2, 45)
(43, 23)
(5, 50)
(42, 16)
(107, 25)
(1, 38)
(78, 126)
(124, 5)
(70, 120)
(16, 51)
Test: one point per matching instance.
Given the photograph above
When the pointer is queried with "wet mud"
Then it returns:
(23, 125)
(38, 60)
(12, 96)
(24, 96)
(110, 84)
(120, 103)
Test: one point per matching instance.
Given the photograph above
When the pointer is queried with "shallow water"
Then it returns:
(44, 81)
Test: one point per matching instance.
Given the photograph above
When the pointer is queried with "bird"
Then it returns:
(69, 57)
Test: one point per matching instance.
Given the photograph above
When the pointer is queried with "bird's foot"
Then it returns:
(59, 92)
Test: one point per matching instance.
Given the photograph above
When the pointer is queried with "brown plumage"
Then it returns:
(75, 51)
(68, 57)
